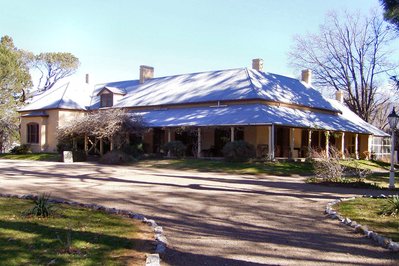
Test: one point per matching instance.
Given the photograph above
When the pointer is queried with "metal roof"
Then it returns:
(256, 114)
(67, 96)
(114, 90)
(212, 86)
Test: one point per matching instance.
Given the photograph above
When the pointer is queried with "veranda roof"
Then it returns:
(256, 114)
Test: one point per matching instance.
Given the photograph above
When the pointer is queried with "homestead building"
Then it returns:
(279, 115)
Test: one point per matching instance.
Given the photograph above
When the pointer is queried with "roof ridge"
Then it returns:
(62, 97)
(170, 76)
(252, 84)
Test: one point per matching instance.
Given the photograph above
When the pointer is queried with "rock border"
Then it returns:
(161, 240)
(380, 240)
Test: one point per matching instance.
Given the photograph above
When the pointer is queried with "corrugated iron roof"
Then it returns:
(67, 96)
(257, 114)
(223, 85)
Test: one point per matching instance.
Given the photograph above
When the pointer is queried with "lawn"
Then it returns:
(380, 171)
(202, 165)
(53, 157)
(377, 178)
(96, 238)
(368, 164)
(365, 211)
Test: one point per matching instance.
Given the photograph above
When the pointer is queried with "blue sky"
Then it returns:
(113, 38)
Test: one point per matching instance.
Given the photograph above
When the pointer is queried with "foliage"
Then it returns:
(42, 207)
(349, 53)
(391, 207)
(109, 123)
(79, 156)
(356, 170)
(176, 148)
(14, 79)
(391, 12)
(54, 67)
(64, 144)
(238, 151)
(343, 181)
(67, 243)
(21, 149)
(116, 157)
(135, 150)
(327, 166)
(8, 128)
(14, 72)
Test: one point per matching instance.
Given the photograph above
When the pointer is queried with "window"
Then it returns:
(33, 133)
(106, 100)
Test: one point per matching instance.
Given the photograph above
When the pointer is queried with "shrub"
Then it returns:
(357, 171)
(42, 206)
(176, 148)
(238, 151)
(22, 149)
(135, 150)
(64, 144)
(326, 167)
(67, 243)
(116, 157)
(79, 156)
(391, 207)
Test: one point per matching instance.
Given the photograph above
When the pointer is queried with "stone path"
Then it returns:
(209, 218)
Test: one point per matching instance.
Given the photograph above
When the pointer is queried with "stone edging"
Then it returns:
(377, 238)
(161, 241)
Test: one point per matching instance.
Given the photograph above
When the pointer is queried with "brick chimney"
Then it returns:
(257, 64)
(307, 76)
(87, 79)
(339, 96)
(146, 72)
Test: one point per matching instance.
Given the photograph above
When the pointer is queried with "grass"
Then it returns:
(365, 211)
(365, 164)
(380, 172)
(96, 238)
(377, 179)
(202, 165)
(52, 157)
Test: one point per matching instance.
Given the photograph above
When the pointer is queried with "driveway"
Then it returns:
(209, 218)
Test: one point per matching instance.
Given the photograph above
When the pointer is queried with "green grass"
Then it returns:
(377, 179)
(380, 172)
(273, 168)
(365, 211)
(52, 157)
(97, 238)
(365, 164)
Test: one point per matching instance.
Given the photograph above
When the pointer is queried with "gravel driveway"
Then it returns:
(209, 218)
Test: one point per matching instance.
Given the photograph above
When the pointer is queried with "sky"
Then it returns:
(113, 38)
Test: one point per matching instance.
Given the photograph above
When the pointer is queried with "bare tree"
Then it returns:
(349, 53)
(103, 124)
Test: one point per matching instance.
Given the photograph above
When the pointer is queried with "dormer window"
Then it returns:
(107, 99)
